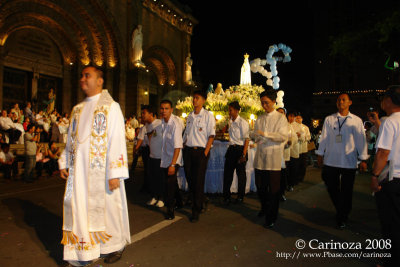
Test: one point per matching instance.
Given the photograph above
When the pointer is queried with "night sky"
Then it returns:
(227, 30)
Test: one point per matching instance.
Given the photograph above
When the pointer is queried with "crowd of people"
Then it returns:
(25, 127)
(95, 154)
(344, 145)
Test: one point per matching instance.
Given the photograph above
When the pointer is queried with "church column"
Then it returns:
(80, 93)
(1, 75)
(34, 87)
(123, 90)
(109, 80)
(67, 88)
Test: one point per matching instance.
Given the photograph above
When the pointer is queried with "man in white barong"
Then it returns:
(95, 164)
(271, 134)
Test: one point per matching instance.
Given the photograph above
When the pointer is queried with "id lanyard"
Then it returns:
(339, 136)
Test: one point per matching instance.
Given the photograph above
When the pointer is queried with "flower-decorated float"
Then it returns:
(246, 94)
(248, 97)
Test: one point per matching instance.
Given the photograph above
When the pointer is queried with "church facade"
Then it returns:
(45, 44)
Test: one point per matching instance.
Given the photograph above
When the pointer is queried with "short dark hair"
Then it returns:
(30, 126)
(280, 108)
(291, 112)
(150, 109)
(270, 93)
(348, 95)
(393, 92)
(235, 105)
(51, 143)
(201, 93)
(5, 145)
(98, 71)
(166, 101)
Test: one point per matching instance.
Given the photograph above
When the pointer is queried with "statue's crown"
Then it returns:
(246, 55)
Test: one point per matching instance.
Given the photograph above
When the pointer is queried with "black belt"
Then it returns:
(194, 147)
(234, 145)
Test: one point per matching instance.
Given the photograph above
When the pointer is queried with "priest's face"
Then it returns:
(90, 82)
(166, 111)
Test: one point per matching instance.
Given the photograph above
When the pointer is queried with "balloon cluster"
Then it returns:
(279, 99)
(257, 64)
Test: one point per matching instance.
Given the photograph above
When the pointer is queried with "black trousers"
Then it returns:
(195, 171)
(156, 180)
(388, 204)
(13, 135)
(268, 185)
(144, 152)
(9, 169)
(172, 194)
(302, 167)
(284, 178)
(232, 157)
(293, 169)
(339, 183)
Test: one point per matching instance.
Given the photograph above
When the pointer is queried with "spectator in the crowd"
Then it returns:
(2, 138)
(373, 117)
(19, 127)
(142, 149)
(65, 119)
(8, 163)
(371, 139)
(134, 122)
(26, 123)
(30, 140)
(43, 135)
(40, 118)
(129, 131)
(28, 112)
(42, 160)
(18, 112)
(56, 135)
(53, 153)
(8, 126)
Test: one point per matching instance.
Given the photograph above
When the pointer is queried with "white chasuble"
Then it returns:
(95, 219)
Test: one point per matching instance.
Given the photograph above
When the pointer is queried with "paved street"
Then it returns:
(31, 219)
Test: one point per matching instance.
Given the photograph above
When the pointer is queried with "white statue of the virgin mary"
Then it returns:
(137, 41)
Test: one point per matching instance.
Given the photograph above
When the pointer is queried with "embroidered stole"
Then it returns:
(96, 173)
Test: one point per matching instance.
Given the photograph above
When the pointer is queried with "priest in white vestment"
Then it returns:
(95, 164)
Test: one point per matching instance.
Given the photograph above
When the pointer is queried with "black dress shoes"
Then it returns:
(269, 225)
(239, 200)
(170, 215)
(261, 213)
(194, 218)
(113, 257)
